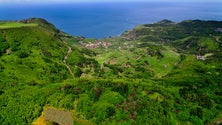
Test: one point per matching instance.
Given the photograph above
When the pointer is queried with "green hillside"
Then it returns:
(154, 74)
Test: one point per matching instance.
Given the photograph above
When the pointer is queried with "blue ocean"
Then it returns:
(99, 20)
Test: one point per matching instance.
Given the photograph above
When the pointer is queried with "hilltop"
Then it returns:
(161, 73)
(37, 54)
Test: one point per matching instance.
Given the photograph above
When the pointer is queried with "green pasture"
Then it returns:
(6, 25)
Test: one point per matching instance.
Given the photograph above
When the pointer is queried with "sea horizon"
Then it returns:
(100, 20)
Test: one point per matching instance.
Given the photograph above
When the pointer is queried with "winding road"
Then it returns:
(66, 57)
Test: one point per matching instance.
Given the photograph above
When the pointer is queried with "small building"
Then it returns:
(200, 57)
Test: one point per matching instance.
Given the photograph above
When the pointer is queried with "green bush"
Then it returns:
(111, 97)
(3, 47)
(102, 111)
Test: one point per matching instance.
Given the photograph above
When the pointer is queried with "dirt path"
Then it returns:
(102, 65)
(66, 57)
(60, 117)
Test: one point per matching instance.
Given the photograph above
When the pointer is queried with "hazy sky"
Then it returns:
(50, 1)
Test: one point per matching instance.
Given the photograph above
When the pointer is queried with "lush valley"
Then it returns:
(161, 73)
